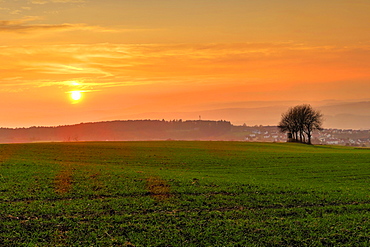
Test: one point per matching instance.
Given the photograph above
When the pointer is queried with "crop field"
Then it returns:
(183, 194)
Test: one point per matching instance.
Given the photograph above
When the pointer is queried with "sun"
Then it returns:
(76, 95)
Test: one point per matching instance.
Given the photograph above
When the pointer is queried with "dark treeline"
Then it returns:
(121, 131)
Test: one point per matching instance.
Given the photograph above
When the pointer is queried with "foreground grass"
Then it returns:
(183, 194)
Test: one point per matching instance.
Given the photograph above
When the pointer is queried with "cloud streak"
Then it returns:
(249, 66)
(41, 2)
(24, 26)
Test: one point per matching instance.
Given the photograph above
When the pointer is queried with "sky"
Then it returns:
(122, 58)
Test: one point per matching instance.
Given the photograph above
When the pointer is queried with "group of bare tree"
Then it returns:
(300, 121)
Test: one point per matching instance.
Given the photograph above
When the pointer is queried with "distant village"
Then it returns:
(151, 130)
(344, 137)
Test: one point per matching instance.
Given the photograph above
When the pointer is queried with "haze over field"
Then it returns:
(72, 61)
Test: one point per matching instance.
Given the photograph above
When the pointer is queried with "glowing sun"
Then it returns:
(76, 95)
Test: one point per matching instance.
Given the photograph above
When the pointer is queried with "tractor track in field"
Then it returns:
(63, 181)
(158, 188)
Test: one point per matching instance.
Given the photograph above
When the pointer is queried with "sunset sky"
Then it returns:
(124, 58)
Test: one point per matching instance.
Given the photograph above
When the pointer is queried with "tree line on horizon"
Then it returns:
(121, 130)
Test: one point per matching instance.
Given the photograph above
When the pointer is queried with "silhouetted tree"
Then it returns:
(301, 121)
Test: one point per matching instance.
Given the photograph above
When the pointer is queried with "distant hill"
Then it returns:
(337, 114)
(347, 115)
(129, 130)
(267, 115)
(146, 130)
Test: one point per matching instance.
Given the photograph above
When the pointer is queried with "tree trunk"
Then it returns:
(309, 138)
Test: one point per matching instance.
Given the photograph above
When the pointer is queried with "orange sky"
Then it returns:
(135, 57)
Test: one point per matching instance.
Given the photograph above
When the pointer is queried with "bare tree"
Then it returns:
(313, 121)
(301, 121)
(288, 124)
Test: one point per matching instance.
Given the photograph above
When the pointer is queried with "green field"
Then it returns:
(183, 194)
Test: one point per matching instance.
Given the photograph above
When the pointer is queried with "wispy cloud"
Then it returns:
(56, 1)
(99, 66)
(24, 26)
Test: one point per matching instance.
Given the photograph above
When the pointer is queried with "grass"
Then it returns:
(183, 194)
